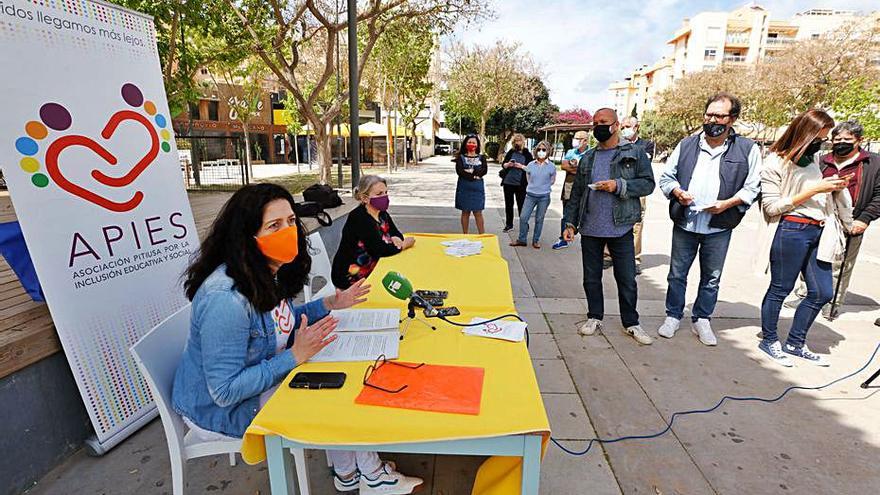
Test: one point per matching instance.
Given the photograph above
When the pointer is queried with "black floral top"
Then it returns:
(364, 241)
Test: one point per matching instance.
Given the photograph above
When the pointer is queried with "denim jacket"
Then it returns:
(230, 359)
(631, 168)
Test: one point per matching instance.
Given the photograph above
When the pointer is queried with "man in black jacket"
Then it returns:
(849, 159)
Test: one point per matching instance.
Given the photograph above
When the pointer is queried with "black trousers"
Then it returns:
(511, 192)
(623, 254)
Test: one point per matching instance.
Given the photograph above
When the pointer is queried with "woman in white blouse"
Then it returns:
(801, 207)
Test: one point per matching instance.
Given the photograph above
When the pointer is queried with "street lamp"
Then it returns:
(353, 119)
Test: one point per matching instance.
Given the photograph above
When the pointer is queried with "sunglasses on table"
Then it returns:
(382, 361)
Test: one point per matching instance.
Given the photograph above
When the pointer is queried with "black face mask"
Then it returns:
(602, 132)
(814, 147)
(714, 130)
(842, 149)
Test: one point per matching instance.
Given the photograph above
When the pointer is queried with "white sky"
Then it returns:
(583, 45)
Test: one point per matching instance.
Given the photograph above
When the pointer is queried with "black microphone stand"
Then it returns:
(411, 316)
(873, 377)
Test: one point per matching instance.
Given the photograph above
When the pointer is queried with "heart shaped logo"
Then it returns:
(56, 117)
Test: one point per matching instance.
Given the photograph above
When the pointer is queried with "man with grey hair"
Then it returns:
(847, 158)
(629, 130)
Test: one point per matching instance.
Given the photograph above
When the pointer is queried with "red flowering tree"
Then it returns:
(574, 116)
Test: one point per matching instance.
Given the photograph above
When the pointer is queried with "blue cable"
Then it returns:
(716, 406)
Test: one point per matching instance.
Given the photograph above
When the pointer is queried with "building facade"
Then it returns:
(711, 39)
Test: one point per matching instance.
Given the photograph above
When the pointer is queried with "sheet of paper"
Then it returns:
(360, 320)
(460, 248)
(513, 331)
(700, 207)
(360, 346)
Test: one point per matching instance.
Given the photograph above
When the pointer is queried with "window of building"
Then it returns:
(204, 71)
(814, 36)
(709, 53)
(214, 110)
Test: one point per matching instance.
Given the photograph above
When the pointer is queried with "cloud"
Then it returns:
(583, 46)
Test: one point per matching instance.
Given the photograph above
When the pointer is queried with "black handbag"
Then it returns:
(322, 194)
(313, 209)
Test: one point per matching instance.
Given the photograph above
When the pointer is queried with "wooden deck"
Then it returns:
(27, 333)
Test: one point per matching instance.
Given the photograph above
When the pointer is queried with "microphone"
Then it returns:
(401, 288)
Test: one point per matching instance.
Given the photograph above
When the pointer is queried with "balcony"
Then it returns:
(737, 40)
(734, 59)
(779, 42)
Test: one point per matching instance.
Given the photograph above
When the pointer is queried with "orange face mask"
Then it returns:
(281, 246)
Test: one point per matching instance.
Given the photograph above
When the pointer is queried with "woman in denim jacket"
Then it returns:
(252, 263)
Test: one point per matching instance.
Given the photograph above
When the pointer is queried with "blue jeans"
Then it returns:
(539, 205)
(712, 249)
(793, 253)
(623, 256)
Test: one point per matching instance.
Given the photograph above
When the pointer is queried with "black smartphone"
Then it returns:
(318, 380)
(433, 301)
(450, 311)
(442, 294)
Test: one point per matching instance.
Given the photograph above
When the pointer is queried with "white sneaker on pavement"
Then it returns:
(590, 327)
(669, 326)
(387, 481)
(638, 334)
(703, 330)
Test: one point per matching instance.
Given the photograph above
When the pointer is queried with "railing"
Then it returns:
(737, 40)
(780, 41)
(212, 163)
(735, 58)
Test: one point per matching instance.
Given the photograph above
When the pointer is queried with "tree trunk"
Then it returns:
(296, 151)
(325, 155)
(247, 156)
(416, 146)
(483, 132)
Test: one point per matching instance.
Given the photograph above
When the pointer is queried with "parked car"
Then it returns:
(442, 149)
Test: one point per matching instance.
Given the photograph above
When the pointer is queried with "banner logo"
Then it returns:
(56, 117)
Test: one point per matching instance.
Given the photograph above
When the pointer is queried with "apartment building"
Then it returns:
(710, 39)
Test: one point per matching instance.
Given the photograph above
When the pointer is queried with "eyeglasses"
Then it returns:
(716, 116)
(541, 149)
(382, 361)
(844, 140)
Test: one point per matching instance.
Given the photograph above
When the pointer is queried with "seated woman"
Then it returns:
(253, 261)
(369, 234)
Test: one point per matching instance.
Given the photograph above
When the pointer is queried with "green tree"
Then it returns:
(666, 131)
(190, 34)
(242, 85)
(526, 119)
(483, 79)
(293, 124)
(403, 62)
(859, 99)
(303, 44)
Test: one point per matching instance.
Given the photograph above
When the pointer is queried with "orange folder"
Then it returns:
(449, 389)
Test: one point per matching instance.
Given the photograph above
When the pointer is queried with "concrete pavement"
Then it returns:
(606, 384)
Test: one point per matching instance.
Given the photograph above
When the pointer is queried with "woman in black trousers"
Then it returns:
(513, 178)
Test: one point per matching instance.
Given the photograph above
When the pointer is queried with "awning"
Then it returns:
(447, 135)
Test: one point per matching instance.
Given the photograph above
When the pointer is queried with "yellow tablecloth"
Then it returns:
(511, 404)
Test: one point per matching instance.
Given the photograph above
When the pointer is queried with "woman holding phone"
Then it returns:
(246, 335)
(541, 174)
(800, 207)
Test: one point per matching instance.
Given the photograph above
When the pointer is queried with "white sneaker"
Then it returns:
(348, 485)
(387, 481)
(703, 330)
(590, 326)
(640, 335)
(669, 326)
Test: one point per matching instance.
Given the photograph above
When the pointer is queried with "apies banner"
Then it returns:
(88, 153)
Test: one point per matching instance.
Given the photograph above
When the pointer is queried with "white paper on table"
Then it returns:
(366, 320)
(360, 346)
(513, 331)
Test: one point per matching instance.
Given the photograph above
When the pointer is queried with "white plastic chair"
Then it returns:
(321, 268)
(157, 354)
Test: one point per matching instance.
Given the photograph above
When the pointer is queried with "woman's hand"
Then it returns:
(829, 184)
(409, 242)
(398, 242)
(310, 339)
(347, 298)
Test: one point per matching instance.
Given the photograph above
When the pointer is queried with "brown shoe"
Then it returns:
(517, 243)
(536, 245)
